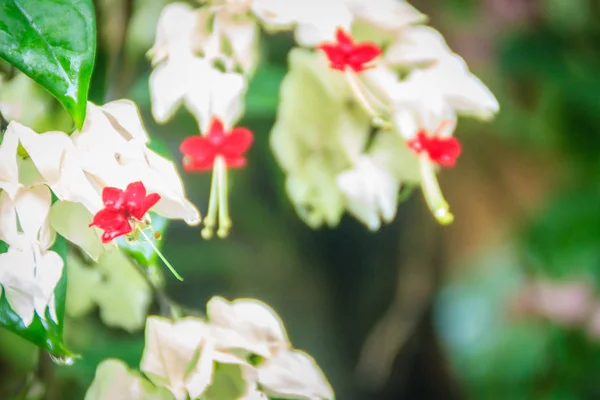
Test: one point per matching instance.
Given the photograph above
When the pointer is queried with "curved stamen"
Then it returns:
(361, 95)
(224, 220)
(211, 216)
(160, 255)
(433, 194)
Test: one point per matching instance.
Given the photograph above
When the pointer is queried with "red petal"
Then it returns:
(135, 193)
(113, 198)
(237, 142)
(343, 38)
(147, 203)
(235, 162)
(335, 56)
(191, 165)
(110, 234)
(363, 54)
(216, 128)
(197, 147)
(109, 219)
(197, 150)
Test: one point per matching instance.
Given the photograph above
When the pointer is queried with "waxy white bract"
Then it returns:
(193, 358)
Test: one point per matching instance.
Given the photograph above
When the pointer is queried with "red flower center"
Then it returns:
(442, 151)
(201, 151)
(121, 207)
(345, 53)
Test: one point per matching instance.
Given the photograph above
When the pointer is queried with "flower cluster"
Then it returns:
(241, 349)
(86, 171)
(390, 74)
(371, 110)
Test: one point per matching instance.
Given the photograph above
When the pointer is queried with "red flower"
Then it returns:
(442, 151)
(347, 54)
(122, 206)
(200, 151)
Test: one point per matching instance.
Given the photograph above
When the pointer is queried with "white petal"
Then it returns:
(165, 180)
(389, 15)
(71, 221)
(125, 115)
(8, 219)
(168, 86)
(294, 374)
(32, 206)
(242, 35)
(9, 173)
(17, 268)
(170, 348)
(246, 324)
(115, 381)
(222, 96)
(417, 46)
(464, 91)
(174, 31)
(371, 192)
(318, 21)
(55, 158)
(49, 267)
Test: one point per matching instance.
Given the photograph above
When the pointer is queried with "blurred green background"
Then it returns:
(503, 304)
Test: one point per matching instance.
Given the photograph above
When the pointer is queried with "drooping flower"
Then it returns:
(217, 150)
(442, 151)
(436, 148)
(123, 209)
(346, 54)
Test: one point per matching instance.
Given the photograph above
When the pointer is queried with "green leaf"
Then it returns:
(46, 334)
(54, 43)
(228, 383)
(141, 250)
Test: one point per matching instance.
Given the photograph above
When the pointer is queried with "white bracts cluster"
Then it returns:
(241, 352)
(110, 150)
(344, 138)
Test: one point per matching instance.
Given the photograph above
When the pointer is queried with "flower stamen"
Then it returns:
(442, 151)
(217, 150)
(433, 194)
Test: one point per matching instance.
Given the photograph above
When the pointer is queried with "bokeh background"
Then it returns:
(503, 304)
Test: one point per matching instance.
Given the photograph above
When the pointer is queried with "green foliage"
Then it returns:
(54, 43)
(46, 333)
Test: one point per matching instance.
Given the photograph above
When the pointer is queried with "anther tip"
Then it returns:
(206, 233)
(222, 232)
(444, 216)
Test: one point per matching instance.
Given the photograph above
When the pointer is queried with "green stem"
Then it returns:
(161, 256)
